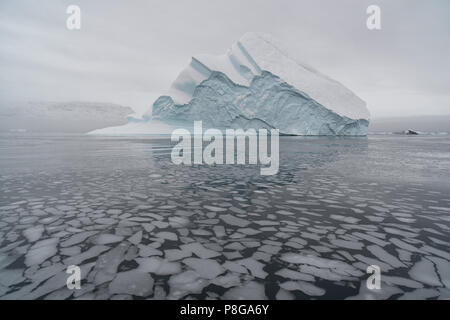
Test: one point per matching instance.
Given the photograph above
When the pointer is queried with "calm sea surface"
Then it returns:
(140, 227)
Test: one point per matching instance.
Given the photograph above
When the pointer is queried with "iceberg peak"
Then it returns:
(255, 52)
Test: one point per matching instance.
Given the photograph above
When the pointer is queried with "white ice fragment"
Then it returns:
(294, 275)
(215, 209)
(205, 268)
(262, 256)
(324, 273)
(147, 251)
(178, 222)
(255, 267)
(60, 294)
(370, 261)
(232, 255)
(284, 295)
(45, 273)
(158, 266)
(199, 250)
(370, 238)
(219, 231)
(234, 221)
(176, 254)
(423, 271)
(404, 282)
(132, 282)
(383, 255)
(250, 291)
(344, 218)
(136, 238)
(106, 221)
(56, 282)
(34, 233)
(270, 249)
(201, 232)
(401, 232)
(355, 245)
(77, 238)
(166, 235)
(107, 239)
(9, 277)
(227, 281)
(71, 251)
(249, 231)
(235, 267)
(443, 269)
(384, 293)
(235, 246)
(404, 245)
(148, 227)
(90, 253)
(437, 252)
(317, 262)
(160, 224)
(404, 255)
(41, 251)
(305, 287)
(420, 294)
(108, 263)
(267, 223)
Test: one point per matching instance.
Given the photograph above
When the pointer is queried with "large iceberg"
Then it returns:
(258, 85)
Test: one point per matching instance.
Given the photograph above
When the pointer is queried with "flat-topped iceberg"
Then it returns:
(258, 85)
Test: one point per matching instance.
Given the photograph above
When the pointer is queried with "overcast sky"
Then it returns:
(129, 52)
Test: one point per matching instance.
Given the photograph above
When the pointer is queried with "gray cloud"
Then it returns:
(130, 52)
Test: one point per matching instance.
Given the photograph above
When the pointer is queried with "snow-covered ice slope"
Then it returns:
(255, 84)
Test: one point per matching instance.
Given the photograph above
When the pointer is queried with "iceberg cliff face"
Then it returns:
(267, 102)
(256, 85)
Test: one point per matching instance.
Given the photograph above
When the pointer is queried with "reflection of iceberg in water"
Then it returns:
(256, 85)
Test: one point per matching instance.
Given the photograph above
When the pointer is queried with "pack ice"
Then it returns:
(257, 85)
(254, 85)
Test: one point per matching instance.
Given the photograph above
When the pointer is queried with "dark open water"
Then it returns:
(142, 227)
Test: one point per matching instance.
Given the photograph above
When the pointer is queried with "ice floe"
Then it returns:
(199, 250)
(424, 271)
(186, 283)
(383, 255)
(41, 251)
(132, 282)
(108, 239)
(305, 287)
(205, 268)
(34, 233)
(249, 291)
(158, 266)
(210, 234)
(234, 221)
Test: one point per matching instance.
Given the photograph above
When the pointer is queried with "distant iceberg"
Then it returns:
(60, 117)
(256, 85)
